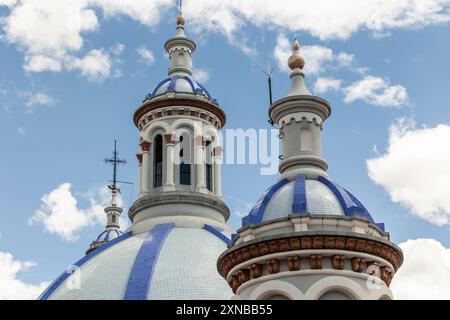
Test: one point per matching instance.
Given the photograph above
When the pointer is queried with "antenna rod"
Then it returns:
(270, 88)
(268, 73)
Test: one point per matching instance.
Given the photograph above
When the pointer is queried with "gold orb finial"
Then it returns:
(296, 60)
(180, 19)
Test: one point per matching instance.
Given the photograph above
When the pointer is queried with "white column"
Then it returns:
(139, 158)
(169, 185)
(146, 168)
(217, 160)
(200, 164)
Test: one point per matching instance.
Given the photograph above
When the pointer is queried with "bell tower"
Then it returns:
(307, 237)
(180, 152)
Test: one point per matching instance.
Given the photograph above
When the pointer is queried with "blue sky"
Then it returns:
(58, 123)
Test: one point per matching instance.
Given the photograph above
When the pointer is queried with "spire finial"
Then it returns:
(115, 161)
(296, 60)
(180, 19)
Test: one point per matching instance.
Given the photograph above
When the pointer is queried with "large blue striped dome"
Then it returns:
(299, 196)
(155, 264)
(180, 84)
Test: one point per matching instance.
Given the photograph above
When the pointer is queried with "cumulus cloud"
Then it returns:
(95, 66)
(36, 99)
(323, 85)
(415, 170)
(146, 55)
(40, 63)
(326, 19)
(62, 24)
(425, 273)
(118, 49)
(146, 12)
(13, 288)
(60, 214)
(200, 74)
(376, 91)
(49, 27)
(316, 57)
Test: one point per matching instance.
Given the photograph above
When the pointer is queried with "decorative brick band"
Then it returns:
(154, 105)
(232, 258)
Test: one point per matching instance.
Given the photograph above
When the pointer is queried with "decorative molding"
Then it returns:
(139, 158)
(200, 141)
(338, 262)
(217, 151)
(233, 257)
(315, 261)
(357, 264)
(179, 197)
(273, 265)
(169, 138)
(256, 270)
(145, 146)
(293, 263)
(156, 105)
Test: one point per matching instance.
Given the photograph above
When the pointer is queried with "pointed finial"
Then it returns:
(180, 19)
(296, 60)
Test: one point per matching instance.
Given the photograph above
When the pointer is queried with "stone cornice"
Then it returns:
(154, 104)
(176, 197)
(299, 103)
(306, 241)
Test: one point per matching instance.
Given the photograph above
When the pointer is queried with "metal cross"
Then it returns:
(115, 161)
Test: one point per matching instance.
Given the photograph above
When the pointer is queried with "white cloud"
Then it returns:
(40, 63)
(118, 49)
(60, 26)
(415, 170)
(22, 131)
(8, 3)
(146, 12)
(376, 91)
(317, 58)
(323, 85)
(200, 74)
(95, 66)
(63, 24)
(61, 215)
(326, 19)
(146, 55)
(11, 287)
(425, 273)
(345, 59)
(38, 98)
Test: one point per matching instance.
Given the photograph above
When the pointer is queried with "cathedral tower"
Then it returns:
(178, 221)
(307, 237)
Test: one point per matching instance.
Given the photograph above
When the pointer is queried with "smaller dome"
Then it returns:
(108, 235)
(180, 84)
(306, 196)
(104, 237)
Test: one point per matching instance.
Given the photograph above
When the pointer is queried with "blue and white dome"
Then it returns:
(167, 262)
(108, 235)
(180, 84)
(319, 196)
